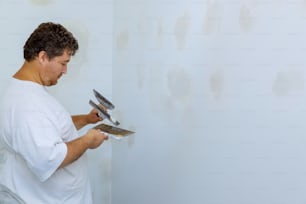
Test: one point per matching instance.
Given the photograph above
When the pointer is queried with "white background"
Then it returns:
(215, 90)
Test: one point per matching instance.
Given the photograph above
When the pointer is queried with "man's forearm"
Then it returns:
(79, 121)
(75, 149)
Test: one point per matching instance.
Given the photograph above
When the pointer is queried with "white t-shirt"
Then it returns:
(33, 130)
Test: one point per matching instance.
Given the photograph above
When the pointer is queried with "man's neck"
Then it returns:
(28, 72)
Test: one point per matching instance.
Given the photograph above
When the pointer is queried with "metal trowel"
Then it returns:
(103, 106)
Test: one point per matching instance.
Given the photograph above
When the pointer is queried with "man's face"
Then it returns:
(53, 69)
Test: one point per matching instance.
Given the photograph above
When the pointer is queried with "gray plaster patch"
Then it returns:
(123, 40)
(246, 18)
(286, 83)
(212, 17)
(181, 29)
(217, 84)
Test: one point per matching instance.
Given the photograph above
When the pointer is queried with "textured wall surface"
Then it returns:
(215, 90)
(91, 23)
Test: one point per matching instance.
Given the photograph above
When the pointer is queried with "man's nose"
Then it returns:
(64, 71)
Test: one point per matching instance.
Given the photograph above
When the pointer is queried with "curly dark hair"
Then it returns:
(52, 38)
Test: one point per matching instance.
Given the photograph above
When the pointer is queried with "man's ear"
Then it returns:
(42, 57)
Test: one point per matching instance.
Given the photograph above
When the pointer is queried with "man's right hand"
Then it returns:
(95, 138)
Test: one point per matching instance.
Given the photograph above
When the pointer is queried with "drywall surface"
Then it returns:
(215, 91)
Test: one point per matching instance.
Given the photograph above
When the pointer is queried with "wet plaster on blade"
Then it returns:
(286, 83)
(217, 84)
(181, 30)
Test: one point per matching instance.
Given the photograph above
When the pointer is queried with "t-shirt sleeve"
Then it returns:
(39, 142)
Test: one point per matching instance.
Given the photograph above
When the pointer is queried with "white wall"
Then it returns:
(91, 23)
(215, 91)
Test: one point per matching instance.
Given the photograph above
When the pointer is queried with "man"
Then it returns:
(44, 156)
